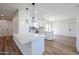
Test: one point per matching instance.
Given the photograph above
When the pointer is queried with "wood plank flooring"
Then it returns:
(61, 45)
(8, 46)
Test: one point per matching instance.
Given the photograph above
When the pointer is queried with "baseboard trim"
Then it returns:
(5, 36)
(64, 35)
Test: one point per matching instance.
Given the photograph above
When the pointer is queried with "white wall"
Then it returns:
(19, 21)
(15, 23)
(4, 26)
(23, 26)
(62, 27)
(77, 32)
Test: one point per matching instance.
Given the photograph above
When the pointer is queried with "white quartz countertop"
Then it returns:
(27, 37)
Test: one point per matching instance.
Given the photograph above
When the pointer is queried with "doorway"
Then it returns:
(5, 28)
(72, 29)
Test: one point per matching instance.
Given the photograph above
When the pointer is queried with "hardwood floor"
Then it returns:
(8, 47)
(60, 45)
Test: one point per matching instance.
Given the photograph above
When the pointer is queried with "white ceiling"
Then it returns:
(57, 11)
(8, 9)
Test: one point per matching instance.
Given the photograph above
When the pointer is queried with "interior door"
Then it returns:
(72, 29)
(5, 28)
(0, 28)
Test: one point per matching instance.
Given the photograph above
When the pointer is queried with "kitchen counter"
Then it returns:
(30, 43)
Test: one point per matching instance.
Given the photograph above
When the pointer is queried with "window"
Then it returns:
(48, 27)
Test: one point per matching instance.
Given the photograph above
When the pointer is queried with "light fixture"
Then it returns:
(2, 16)
(27, 15)
(33, 18)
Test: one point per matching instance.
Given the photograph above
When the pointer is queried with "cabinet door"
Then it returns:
(38, 46)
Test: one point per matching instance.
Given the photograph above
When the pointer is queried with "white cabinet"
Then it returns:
(30, 44)
(38, 46)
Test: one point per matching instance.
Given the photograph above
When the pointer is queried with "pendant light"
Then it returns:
(27, 15)
(33, 18)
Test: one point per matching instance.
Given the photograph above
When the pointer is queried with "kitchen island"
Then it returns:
(30, 43)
